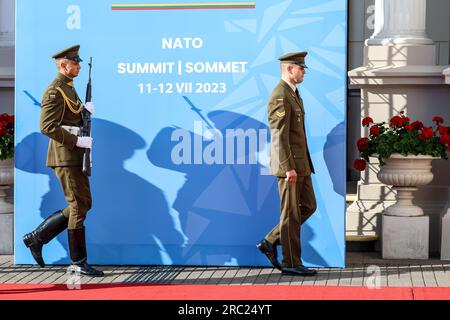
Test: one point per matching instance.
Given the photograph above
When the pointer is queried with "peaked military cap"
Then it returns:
(69, 53)
(295, 58)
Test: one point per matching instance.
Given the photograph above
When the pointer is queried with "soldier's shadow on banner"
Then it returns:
(335, 144)
(129, 215)
(224, 208)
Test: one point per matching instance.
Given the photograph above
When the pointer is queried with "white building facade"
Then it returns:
(404, 67)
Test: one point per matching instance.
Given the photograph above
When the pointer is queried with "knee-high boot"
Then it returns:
(46, 231)
(78, 254)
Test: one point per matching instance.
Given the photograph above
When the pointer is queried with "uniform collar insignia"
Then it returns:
(65, 79)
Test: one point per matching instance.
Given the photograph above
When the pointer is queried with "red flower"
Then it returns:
(409, 127)
(445, 140)
(2, 131)
(374, 130)
(438, 119)
(397, 121)
(406, 119)
(417, 124)
(402, 112)
(426, 133)
(366, 121)
(363, 144)
(442, 130)
(359, 164)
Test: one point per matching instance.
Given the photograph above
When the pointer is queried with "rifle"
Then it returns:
(199, 112)
(86, 127)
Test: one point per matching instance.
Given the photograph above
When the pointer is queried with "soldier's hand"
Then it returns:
(84, 142)
(90, 107)
(291, 176)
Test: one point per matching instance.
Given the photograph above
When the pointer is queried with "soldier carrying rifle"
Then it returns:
(61, 120)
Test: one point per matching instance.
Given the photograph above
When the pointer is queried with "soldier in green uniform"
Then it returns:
(290, 162)
(60, 120)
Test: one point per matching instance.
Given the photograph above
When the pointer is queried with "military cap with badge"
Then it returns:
(297, 58)
(69, 53)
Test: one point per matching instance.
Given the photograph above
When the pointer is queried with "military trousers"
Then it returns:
(297, 204)
(77, 192)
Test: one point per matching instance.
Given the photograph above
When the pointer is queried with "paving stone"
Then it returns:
(405, 276)
(442, 277)
(358, 273)
(205, 276)
(228, 276)
(274, 277)
(41, 278)
(428, 276)
(107, 271)
(399, 273)
(416, 276)
(333, 276)
(251, 276)
(31, 276)
(263, 276)
(345, 277)
(285, 280)
(127, 274)
(309, 280)
(240, 276)
(59, 276)
(322, 277)
(297, 280)
(217, 276)
(13, 273)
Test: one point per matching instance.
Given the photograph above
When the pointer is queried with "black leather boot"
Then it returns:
(78, 254)
(270, 251)
(46, 231)
(300, 270)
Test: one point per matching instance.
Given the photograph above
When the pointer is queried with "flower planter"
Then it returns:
(406, 174)
(6, 208)
(7, 171)
(405, 227)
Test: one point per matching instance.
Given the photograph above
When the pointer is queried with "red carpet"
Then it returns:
(213, 292)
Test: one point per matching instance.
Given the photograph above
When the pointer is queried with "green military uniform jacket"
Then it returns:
(61, 106)
(289, 147)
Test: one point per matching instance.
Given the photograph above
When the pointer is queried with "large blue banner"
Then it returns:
(181, 137)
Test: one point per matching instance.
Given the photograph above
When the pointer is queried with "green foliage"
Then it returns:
(401, 136)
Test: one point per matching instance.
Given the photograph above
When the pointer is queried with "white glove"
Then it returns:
(84, 142)
(90, 107)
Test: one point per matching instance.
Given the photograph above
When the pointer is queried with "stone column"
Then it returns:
(399, 73)
(7, 23)
(445, 233)
(399, 22)
(445, 216)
